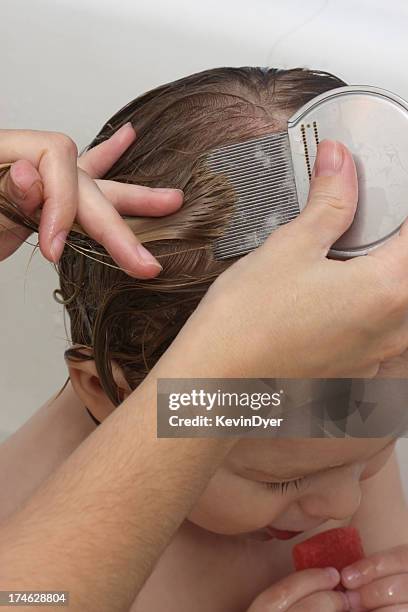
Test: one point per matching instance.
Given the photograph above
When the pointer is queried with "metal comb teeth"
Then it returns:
(261, 172)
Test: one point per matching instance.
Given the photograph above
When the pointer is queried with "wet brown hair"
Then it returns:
(134, 321)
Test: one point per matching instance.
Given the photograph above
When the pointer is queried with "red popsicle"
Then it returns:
(333, 548)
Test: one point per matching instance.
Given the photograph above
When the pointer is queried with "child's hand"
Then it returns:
(379, 582)
(44, 170)
(310, 590)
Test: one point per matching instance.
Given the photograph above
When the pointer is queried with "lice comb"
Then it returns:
(260, 171)
(271, 174)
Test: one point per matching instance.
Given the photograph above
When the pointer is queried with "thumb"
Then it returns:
(333, 195)
(22, 185)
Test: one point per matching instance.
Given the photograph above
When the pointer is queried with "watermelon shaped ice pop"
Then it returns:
(333, 548)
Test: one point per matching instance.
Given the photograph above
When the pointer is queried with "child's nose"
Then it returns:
(336, 497)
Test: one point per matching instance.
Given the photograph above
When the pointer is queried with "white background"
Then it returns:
(68, 65)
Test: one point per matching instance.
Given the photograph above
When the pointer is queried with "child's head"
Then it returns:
(127, 324)
(131, 323)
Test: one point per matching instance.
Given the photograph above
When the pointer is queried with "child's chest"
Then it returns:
(204, 572)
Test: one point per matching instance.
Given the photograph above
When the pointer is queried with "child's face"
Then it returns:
(309, 482)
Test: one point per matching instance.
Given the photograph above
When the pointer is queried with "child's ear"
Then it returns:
(86, 383)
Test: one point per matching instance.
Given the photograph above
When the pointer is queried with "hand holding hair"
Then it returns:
(44, 179)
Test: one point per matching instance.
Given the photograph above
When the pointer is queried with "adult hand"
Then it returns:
(45, 171)
(305, 591)
(286, 310)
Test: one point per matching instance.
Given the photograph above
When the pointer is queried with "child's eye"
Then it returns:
(283, 486)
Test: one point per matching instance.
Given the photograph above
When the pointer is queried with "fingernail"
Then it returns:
(332, 573)
(147, 258)
(20, 189)
(123, 128)
(57, 245)
(329, 160)
(354, 600)
(16, 187)
(168, 190)
(350, 575)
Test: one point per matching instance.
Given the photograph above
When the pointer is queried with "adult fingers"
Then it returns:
(22, 185)
(54, 155)
(98, 160)
(139, 200)
(378, 565)
(290, 590)
(388, 591)
(331, 203)
(104, 224)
